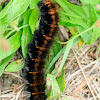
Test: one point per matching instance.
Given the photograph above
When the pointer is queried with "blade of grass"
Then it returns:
(66, 52)
(60, 53)
(55, 59)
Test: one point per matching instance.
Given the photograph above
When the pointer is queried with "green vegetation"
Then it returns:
(18, 21)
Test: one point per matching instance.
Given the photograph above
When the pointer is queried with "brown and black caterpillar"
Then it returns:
(38, 49)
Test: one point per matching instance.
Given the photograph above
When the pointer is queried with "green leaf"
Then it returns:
(71, 8)
(90, 36)
(34, 17)
(67, 15)
(61, 81)
(78, 21)
(13, 10)
(67, 50)
(15, 42)
(27, 35)
(51, 82)
(15, 66)
(76, 9)
(65, 22)
(4, 63)
(73, 22)
(93, 2)
(79, 17)
(65, 8)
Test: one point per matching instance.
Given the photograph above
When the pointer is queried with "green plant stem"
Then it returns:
(15, 30)
(75, 36)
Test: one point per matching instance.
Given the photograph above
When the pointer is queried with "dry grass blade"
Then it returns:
(82, 85)
(85, 77)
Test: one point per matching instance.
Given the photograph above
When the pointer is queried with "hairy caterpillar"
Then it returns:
(38, 49)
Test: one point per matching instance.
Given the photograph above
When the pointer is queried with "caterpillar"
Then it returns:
(38, 49)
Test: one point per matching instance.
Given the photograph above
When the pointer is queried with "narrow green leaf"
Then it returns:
(4, 63)
(60, 53)
(27, 35)
(55, 58)
(61, 81)
(66, 52)
(15, 66)
(13, 10)
(15, 42)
